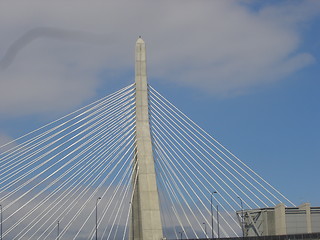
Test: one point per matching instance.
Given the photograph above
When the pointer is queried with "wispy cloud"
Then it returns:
(220, 47)
(50, 33)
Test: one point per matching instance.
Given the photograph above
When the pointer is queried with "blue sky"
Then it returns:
(247, 72)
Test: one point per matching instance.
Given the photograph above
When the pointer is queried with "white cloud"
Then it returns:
(221, 47)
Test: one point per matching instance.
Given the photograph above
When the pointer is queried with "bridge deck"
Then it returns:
(309, 236)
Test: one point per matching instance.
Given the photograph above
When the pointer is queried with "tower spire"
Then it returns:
(146, 220)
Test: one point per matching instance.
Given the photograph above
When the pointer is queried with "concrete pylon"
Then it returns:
(146, 220)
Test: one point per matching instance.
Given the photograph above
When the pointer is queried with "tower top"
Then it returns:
(140, 40)
(140, 64)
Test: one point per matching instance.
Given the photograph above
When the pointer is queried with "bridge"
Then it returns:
(128, 166)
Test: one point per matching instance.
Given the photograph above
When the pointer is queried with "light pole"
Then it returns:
(241, 204)
(212, 235)
(218, 221)
(1, 222)
(181, 235)
(97, 217)
(58, 233)
(205, 229)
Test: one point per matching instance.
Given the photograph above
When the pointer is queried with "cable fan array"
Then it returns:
(52, 179)
(199, 179)
(73, 178)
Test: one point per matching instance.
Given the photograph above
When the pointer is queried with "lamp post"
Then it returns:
(181, 235)
(1, 222)
(97, 217)
(58, 233)
(212, 234)
(205, 229)
(218, 221)
(241, 204)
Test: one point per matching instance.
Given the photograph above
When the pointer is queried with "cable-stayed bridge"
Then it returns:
(84, 176)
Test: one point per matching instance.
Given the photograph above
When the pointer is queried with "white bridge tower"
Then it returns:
(146, 220)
